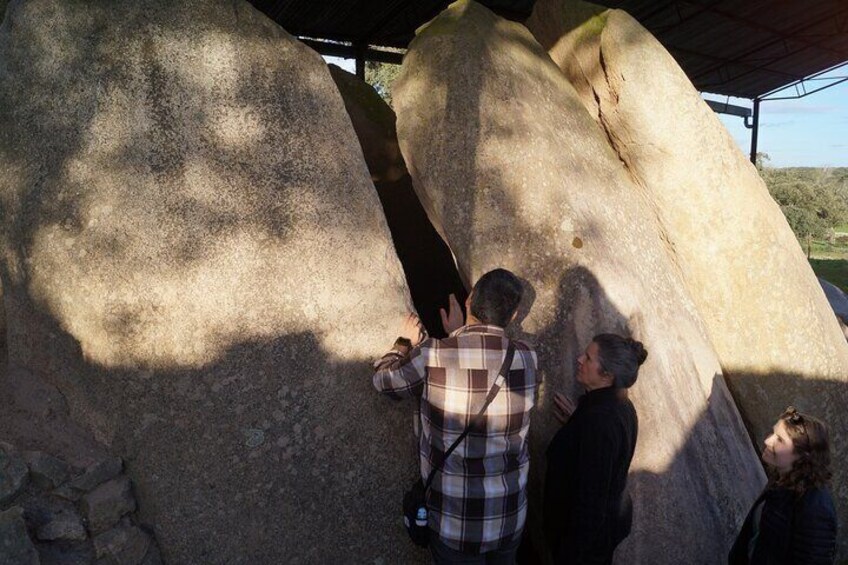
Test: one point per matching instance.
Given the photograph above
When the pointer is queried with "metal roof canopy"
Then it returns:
(755, 49)
(359, 24)
(758, 49)
(748, 49)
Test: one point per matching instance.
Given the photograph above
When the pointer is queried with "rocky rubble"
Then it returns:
(55, 513)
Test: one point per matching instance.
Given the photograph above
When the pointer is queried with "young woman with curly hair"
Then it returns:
(794, 519)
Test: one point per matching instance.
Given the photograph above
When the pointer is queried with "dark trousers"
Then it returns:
(444, 555)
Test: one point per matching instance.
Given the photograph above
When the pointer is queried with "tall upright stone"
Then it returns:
(194, 255)
(374, 123)
(514, 172)
(775, 334)
(427, 261)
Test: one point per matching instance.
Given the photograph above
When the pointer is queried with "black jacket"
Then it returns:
(792, 530)
(587, 510)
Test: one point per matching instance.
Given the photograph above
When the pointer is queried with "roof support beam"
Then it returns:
(730, 109)
(755, 130)
(359, 55)
(348, 51)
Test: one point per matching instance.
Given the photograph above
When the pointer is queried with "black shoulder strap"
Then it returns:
(502, 377)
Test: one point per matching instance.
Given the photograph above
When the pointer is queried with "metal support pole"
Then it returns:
(755, 130)
(359, 48)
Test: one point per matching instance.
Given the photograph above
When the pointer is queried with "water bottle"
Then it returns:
(421, 516)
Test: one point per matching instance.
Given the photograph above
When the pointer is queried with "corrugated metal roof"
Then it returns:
(387, 23)
(746, 48)
(743, 48)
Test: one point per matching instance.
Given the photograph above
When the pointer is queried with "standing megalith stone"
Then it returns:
(194, 255)
(374, 123)
(427, 261)
(777, 339)
(514, 172)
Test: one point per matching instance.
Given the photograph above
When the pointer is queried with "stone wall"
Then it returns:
(53, 512)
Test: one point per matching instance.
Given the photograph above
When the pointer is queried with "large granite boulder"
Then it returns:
(2, 330)
(514, 172)
(426, 259)
(765, 313)
(193, 255)
(374, 123)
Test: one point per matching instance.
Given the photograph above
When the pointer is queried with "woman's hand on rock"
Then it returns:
(563, 407)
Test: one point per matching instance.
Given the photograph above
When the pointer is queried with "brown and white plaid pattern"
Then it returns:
(478, 502)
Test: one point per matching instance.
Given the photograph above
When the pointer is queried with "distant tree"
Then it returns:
(762, 161)
(381, 76)
(814, 200)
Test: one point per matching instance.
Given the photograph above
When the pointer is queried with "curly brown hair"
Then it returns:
(811, 443)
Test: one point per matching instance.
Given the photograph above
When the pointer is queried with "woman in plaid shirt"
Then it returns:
(478, 501)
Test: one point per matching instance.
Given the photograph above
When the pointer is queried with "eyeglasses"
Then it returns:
(795, 418)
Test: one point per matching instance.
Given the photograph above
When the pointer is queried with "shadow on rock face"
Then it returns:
(268, 440)
(426, 259)
(698, 460)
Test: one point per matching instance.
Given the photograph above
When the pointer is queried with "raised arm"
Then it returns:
(400, 373)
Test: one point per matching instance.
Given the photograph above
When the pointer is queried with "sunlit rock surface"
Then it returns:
(516, 173)
(775, 334)
(194, 255)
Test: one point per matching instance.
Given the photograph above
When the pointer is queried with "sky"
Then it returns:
(806, 132)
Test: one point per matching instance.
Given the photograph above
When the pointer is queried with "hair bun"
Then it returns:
(638, 349)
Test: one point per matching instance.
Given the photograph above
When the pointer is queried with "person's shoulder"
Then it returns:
(525, 349)
(817, 498)
(521, 345)
(611, 416)
(527, 354)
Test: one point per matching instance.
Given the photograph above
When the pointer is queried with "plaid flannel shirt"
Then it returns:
(478, 502)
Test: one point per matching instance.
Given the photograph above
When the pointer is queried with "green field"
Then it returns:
(832, 270)
(830, 261)
(824, 250)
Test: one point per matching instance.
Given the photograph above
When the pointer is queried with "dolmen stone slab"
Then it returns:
(426, 260)
(193, 253)
(516, 173)
(764, 311)
(374, 123)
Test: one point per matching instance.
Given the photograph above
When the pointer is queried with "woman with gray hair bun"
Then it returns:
(587, 509)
